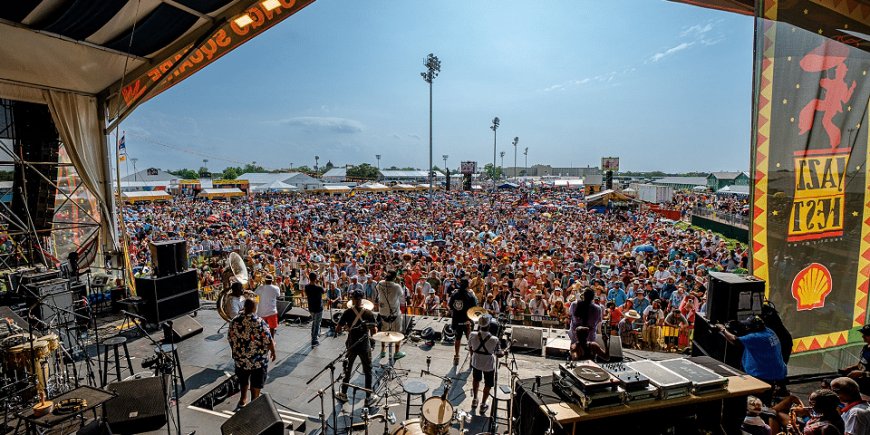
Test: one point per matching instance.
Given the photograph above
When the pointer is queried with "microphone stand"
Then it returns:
(331, 368)
(493, 424)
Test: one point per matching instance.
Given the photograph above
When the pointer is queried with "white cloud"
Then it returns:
(696, 30)
(676, 49)
(324, 123)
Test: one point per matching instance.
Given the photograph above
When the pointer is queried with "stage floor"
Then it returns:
(206, 363)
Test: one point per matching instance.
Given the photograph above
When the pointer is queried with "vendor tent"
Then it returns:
(275, 186)
(403, 187)
(221, 193)
(373, 187)
(734, 190)
(146, 196)
(508, 186)
(606, 196)
(332, 189)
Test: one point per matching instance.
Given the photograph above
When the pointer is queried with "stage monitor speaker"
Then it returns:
(733, 297)
(169, 257)
(708, 342)
(168, 297)
(527, 340)
(615, 345)
(140, 406)
(183, 328)
(283, 307)
(260, 417)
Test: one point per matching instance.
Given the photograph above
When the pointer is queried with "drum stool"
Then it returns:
(176, 361)
(114, 343)
(414, 388)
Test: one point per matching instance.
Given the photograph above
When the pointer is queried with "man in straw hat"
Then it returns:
(626, 329)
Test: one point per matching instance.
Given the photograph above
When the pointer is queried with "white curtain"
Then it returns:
(80, 129)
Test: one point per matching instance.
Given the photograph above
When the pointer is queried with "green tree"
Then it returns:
(186, 174)
(230, 173)
(363, 171)
(303, 169)
(253, 168)
(491, 173)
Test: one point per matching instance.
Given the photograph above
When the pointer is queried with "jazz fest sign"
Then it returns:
(222, 39)
(811, 196)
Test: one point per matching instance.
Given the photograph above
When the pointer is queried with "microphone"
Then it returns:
(134, 316)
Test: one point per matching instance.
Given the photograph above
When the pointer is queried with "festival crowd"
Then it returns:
(527, 255)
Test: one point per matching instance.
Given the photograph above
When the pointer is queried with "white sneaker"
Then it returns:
(483, 408)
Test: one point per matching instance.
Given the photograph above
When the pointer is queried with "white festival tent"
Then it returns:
(93, 62)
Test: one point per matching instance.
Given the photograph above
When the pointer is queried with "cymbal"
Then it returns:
(475, 313)
(388, 337)
(367, 304)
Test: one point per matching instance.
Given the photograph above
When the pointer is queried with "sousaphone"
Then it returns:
(236, 271)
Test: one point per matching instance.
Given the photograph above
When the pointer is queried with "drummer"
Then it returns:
(359, 321)
(484, 348)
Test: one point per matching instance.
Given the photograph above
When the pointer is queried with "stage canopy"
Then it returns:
(93, 62)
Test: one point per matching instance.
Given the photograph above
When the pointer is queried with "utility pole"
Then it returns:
(494, 127)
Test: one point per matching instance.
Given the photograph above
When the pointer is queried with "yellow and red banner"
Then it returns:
(811, 195)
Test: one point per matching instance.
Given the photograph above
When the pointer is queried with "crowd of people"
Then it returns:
(527, 255)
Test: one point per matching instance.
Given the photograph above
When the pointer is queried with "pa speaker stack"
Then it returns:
(173, 291)
(733, 297)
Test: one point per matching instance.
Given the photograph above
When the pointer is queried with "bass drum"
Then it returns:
(437, 416)
(410, 427)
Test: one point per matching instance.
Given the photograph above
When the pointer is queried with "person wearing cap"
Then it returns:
(491, 305)
(485, 350)
(860, 371)
(855, 410)
(267, 307)
(359, 322)
(432, 303)
(762, 357)
(538, 305)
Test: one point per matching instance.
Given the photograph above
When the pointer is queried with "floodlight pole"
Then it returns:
(494, 127)
(526, 154)
(378, 157)
(516, 141)
(433, 67)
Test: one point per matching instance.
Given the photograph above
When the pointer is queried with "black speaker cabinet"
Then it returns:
(709, 342)
(527, 340)
(169, 257)
(140, 406)
(733, 297)
(168, 297)
(260, 417)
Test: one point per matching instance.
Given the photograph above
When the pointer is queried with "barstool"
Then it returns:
(508, 397)
(413, 388)
(114, 342)
(172, 348)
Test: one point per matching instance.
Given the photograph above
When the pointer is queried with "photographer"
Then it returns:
(762, 356)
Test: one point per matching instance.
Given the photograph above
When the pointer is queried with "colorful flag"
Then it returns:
(122, 147)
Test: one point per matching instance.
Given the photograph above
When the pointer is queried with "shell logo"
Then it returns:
(811, 286)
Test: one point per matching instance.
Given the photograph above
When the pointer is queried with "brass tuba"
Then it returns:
(236, 271)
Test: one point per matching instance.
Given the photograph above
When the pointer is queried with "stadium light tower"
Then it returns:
(501, 154)
(433, 67)
(494, 127)
(378, 157)
(316, 160)
(515, 142)
(444, 157)
(526, 167)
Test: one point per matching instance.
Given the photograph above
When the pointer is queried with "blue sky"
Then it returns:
(662, 85)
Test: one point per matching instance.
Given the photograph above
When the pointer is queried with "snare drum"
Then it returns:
(410, 427)
(437, 416)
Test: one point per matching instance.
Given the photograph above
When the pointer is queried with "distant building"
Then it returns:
(681, 183)
(298, 179)
(387, 175)
(335, 175)
(547, 171)
(718, 180)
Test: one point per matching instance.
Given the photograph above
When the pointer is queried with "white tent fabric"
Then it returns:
(78, 124)
(274, 186)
